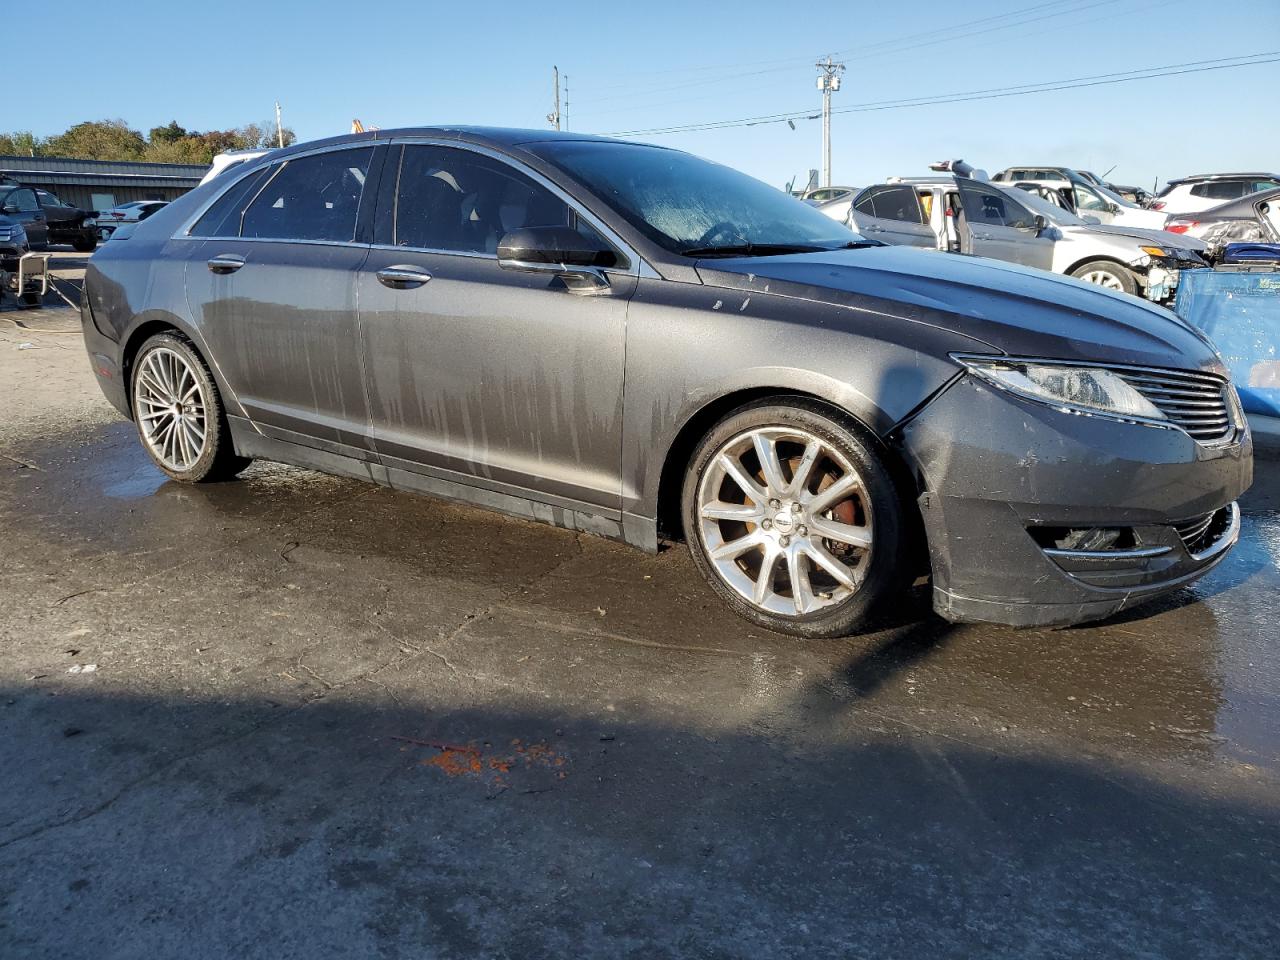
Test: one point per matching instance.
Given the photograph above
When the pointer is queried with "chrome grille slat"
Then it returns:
(1195, 402)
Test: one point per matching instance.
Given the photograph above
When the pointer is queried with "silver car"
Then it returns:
(962, 215)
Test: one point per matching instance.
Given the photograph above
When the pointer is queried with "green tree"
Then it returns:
(171, 132)
(98, 140)
(20, 143)
(182, 150)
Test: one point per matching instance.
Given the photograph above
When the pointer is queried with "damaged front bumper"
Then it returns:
(1163, 274)
(1039, 517)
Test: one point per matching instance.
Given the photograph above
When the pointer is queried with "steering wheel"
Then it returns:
(722, 229)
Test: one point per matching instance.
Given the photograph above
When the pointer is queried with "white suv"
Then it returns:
(1193, 194)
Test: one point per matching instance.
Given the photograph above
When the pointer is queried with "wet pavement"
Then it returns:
(329, 719)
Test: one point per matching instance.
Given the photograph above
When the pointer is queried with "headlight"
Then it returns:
(1077, 389)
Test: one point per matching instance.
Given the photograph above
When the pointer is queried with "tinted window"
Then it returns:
(462, 201)
(1219, 190)
(863, 204)
(311, 198)
(223, 218)
(1087, 200)
(897, 203)
(994, 208)
(23, 200)
(48, 199)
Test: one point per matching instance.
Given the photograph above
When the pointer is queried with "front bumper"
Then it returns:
(1003, 477)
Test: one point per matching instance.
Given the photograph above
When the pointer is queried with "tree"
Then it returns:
(182, 150)
(20, 143)
(98, 140)
(170, 133)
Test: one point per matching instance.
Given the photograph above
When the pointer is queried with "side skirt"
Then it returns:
(631, 529)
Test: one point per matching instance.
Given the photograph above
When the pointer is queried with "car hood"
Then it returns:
(1016, 310)
(1161, 237)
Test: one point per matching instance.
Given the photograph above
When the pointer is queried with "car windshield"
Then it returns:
(692, 206)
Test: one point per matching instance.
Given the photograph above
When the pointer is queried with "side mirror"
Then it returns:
(576, 258)
(1113, 208)
(10, 208)
(1040, 223)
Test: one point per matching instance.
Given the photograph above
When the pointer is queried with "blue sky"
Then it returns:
(638, 66)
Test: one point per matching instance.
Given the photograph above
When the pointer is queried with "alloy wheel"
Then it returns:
(1103, 279)
(785, 520)
(171, 410)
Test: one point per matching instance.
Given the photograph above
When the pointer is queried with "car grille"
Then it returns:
(1200, 533)
(1196, 402)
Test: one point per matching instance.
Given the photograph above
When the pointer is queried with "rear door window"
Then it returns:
(312, 198)
(1219, 190)
(897, 203)
(223, 218)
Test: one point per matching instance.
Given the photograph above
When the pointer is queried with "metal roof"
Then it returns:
(88, 173)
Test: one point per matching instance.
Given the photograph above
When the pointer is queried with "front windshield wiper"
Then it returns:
(752, 250)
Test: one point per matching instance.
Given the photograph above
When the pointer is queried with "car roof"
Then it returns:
(496, 136)
(1201, 177)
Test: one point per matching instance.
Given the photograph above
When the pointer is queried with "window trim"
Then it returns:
(184, 231)
(637, 265)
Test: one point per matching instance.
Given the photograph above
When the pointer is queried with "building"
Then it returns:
(101, 184)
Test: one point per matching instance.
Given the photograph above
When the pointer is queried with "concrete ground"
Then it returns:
(298, 716)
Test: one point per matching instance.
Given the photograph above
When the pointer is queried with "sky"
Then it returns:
(643, 66)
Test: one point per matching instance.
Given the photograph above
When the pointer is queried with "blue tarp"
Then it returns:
(1241, 314)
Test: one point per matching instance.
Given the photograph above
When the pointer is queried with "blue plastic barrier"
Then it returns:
(1240, 311)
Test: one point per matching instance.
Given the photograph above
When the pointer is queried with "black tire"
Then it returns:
(1121, 274)
(84, 244)
(29, 300)
(218, 459)
(888, 562)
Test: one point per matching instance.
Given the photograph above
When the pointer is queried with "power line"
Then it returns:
(1105, 79)
(880, 48)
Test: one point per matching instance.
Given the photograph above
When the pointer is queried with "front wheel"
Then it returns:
(793, 518)
(85, 244)
(179, 412)
(1104, 273)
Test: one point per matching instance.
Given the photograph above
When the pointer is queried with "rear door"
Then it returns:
(892, 213)
(1000, 227)
(273, 289)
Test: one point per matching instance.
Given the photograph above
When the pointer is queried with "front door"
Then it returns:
(505, 380)
(1001, 228)
(273, 292)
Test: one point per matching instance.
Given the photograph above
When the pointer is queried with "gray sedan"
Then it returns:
(630, 341)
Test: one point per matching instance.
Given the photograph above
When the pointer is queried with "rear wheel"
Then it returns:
(793, 518)
(85, 244)
(1104, 273)
(179, 412)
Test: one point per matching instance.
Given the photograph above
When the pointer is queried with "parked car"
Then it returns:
(13, 246)
(18, 202)
(68, 223)
(961, 215)
(1254, 218)
(1135, 195)
(821, 195)
(1103, 205)
(131, 212)
(1206, 190)
(628, 340)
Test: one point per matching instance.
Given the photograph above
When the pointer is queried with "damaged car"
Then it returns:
(1251, 219)
(958, 214)
(631, 341)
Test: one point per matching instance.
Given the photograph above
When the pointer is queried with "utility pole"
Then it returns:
(279, 129)
(828, 83)
(566, 101)
(554, 116)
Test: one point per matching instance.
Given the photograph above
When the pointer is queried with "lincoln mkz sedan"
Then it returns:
(631, 341)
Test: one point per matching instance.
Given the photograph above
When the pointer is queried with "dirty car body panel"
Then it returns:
(427, 366)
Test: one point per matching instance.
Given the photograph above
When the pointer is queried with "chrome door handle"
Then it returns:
(226, 263)
(402, 277)
(873, 229)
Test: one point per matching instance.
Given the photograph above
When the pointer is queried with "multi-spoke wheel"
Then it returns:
(793, 518)
(179, 413)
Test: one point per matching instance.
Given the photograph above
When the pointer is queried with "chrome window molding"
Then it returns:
(639, 266)
(184, 231)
